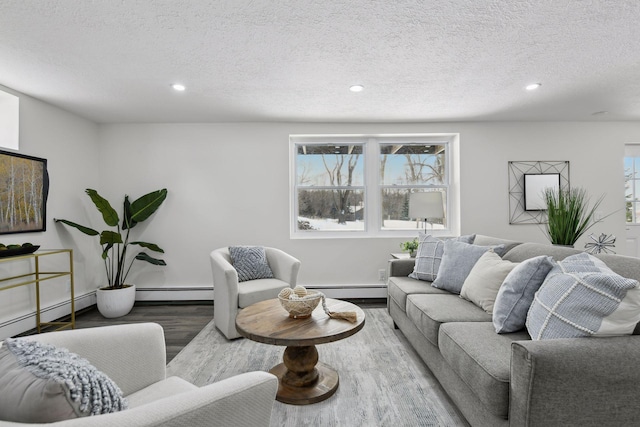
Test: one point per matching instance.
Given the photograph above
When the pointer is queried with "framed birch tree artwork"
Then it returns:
(24, 186)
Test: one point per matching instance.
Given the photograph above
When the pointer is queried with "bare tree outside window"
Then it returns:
(406, 168)
(330, 183)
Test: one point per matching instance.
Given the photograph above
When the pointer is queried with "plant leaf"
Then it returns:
(109, 214)
(127, 221)
(569, 215)
(105, 252)
(147, 245)
(145, 206)
(109, 237)
(85, 230)
(144, 257)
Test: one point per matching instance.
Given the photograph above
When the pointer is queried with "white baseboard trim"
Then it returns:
(204, 293)
(355, 291)
(26, 322)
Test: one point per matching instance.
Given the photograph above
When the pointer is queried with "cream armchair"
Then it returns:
(134, 357)
(230, 296)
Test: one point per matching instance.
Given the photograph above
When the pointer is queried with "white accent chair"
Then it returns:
(134, 357)
(230, 296)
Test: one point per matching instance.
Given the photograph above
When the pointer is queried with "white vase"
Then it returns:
(116, 302)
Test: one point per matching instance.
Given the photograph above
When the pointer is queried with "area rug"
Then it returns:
(383, 382)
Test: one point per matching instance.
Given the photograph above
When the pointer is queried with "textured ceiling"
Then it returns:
(293, 60)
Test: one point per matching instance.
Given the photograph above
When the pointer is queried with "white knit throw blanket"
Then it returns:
(91, 390)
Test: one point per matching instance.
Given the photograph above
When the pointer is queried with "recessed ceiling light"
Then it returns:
(178, 87)
(533, 86)
(356, 88)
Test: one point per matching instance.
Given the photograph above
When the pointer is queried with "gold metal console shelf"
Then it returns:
(38, 276)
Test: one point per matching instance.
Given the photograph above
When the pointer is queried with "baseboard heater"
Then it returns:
(355, 291)
(201, 293)
(26, 322)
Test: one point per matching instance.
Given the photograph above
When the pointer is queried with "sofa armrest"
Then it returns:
(400, 267)
(579, 381)
(243, 400)
(132, 355)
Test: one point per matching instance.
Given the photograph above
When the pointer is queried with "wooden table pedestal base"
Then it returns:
(302, 379)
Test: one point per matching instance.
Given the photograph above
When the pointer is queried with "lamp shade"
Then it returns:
(426, 205)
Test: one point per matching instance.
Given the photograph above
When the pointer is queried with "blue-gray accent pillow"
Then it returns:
(40, 383)
(458, 259)
(429, 255)
(583, 263)
(582, 297)
(250, 262)
(517, 291)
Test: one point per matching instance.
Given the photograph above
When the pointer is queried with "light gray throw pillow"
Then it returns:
(250, 262)
(429, 255)
(582, 297)
(458, 259)
(516, 293)
(40, 383)
(484, 280)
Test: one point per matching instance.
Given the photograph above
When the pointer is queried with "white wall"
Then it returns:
(69, 143)
(228, 184)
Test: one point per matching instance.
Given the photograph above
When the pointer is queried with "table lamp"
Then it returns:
(426, 205)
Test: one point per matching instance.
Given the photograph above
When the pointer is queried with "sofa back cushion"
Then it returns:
(625, 266)
(529, 250)
(483, 240)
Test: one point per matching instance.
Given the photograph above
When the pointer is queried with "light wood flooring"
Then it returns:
(181, 321)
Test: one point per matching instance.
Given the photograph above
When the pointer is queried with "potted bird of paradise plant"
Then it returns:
(117, 297)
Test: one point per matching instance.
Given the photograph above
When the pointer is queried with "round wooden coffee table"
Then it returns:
(302, 379)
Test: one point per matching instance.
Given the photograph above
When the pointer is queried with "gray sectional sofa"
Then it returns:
(508, 379)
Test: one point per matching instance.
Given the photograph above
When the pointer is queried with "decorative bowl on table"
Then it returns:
(299, 302)
(13, 250)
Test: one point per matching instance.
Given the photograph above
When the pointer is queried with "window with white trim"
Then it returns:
(632, 183)
(362, 186)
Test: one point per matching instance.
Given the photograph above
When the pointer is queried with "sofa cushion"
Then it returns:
(529, 250)
(165, 388)
(41, 383)
(481, 358)
(484, 280)
(582, 297)
(482, 240)
(516, 293)
(429, 256)
(258, 290)
(399, 288)
(428, 312)
(625, 266)
(250, 262)
(457, 261)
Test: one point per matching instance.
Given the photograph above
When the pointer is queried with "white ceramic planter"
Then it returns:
(116, 302)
